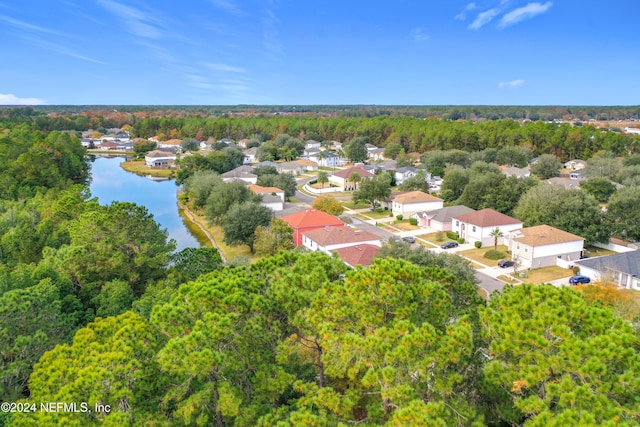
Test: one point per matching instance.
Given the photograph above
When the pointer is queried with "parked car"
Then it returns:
(504, 263)
(575, 280)
(449, 245)
(409, 239)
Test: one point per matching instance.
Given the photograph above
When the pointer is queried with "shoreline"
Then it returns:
(191, 222)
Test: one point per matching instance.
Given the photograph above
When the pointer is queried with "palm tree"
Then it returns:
(355, 178)
(323, 178)
(496, 234)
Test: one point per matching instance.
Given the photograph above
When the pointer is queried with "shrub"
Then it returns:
(452, 235)
(413, 221)
(576, 270)
(478, 244)
(494, 255)
(460, 240)
(399, 217)
(440, 236)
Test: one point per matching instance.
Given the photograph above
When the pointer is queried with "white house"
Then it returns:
(575, 164)
(376, 154)
(277, 193)
(622, 269)
(543, 245)
(477, 226)
(159, 159)
(250, 155)
(440, 219)
(312, 144)
(404, 173)
(328, 239)
(325, 159)
(341, 177)
(411, 202)
(241, 173)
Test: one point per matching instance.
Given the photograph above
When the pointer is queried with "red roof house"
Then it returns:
(358, 255)
(308, 220)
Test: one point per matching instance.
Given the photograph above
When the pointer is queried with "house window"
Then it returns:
(457, 223)
(518, 246)
(526, 249)
(473, 229)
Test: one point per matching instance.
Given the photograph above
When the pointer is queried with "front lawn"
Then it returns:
(477, 255)
(543, 275)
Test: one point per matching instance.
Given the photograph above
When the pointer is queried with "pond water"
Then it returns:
(109, 183)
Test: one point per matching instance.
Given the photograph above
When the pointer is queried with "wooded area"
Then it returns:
(96, 306)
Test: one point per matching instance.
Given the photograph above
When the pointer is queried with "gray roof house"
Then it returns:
(622, 269)
(440, 219)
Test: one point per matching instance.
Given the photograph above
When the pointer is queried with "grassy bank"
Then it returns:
(140, 168)
(213, 235)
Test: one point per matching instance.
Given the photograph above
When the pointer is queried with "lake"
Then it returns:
(109, 183)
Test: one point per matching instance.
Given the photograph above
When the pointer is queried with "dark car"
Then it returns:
(449, 245)
(575, 280)
(409, 239)
(504, 263)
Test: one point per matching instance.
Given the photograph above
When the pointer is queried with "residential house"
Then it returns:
(406, 172)
(310, 220)
(272, 197)
(477, 226)
(567, 183)
(312, 144)
(543, 245)
(336, 145)
(388, 165)
(291, 167)
(241, 173)
(107, 145)
(376, 154)
(440, 219)
(159, 159)
(341, 177)
(307, 164)
(243, 143)
(325, 159)
(577, 174)
(171, 144)
(327, 239)
(575, 164)
(524, 172)
(632, 129)
(410, 202)
(310, 152)
(623, 269)
(250, 155)
(362, 254)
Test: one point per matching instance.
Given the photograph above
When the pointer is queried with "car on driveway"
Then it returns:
(449, 245)
(576, 280)
(505, 263)
(409, 239)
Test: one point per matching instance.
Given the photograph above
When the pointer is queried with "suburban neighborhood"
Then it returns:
(421, 218)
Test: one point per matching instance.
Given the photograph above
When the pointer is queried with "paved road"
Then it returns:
(383, 234)
(307, 200)
(489, 283)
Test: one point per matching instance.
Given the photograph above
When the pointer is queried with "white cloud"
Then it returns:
(511, 84)
(483, 19)
(468, 8)
(229, 6)
(11, 99)
(27, 26)
(137, 22)
(271, 40)
(523, 13)
(226, 68)
(419, 35)
(61, 49)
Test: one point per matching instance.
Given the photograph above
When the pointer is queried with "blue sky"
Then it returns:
(400, 52)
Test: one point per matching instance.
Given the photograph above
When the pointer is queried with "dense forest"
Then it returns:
(97, 307)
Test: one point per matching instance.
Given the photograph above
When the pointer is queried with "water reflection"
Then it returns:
(112, 183)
